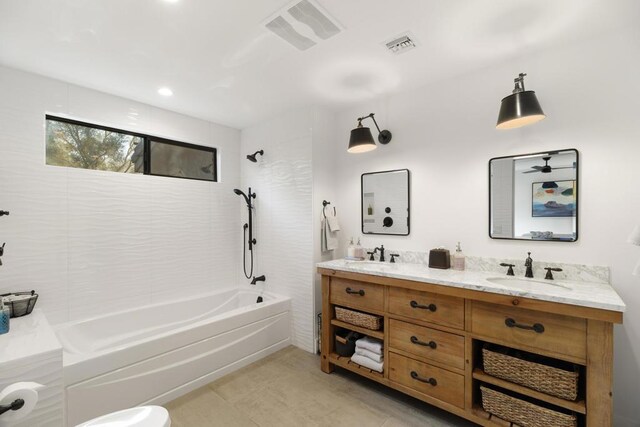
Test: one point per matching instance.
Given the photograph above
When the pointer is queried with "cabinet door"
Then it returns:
(355, 294)
(429, 343)
(427, 379)
(427, 306)
(517, 326)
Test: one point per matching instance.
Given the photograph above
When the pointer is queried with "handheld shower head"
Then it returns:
(252, 157)
(241, 193)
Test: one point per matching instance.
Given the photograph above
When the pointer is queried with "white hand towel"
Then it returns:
(367, 363)
(328, 240)
(333, 223)
(323, 236)
(370, 354)
(370, 344)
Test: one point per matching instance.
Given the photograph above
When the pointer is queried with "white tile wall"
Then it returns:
(282, 180)
(91, 241)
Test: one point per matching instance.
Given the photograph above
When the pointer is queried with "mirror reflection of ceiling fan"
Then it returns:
(548, 169)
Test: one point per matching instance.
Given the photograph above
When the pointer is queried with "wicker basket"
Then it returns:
(514, 367)
(357, 318)
(523, 413)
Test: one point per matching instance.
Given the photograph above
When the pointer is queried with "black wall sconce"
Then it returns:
(361, 139)
(521, 108)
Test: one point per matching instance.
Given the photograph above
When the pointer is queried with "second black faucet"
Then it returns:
(381, 249)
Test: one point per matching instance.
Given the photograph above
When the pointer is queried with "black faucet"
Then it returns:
(549, 275)
(381, 249)
(510, 270)
(258, 279)
(393, 257)
(1, 252)
(529, 264)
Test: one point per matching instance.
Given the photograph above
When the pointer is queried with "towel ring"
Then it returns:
(324, 206)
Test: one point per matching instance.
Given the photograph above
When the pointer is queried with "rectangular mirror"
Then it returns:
(534, 196)
(385, 202)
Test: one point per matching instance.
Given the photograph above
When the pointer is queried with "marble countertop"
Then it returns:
(28, 336)
(585, 294)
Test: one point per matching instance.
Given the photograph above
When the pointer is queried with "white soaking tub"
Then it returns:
(155, 353)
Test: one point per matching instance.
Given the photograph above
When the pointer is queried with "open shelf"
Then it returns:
(578, 406)
(346, 363)
(374, 334)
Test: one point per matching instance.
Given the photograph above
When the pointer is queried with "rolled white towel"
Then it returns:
(371, 344)
(370, 354)
(367, 363)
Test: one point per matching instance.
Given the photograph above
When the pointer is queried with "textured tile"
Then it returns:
(283, 181)
(92, 241)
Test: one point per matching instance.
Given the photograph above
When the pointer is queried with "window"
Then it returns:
(76, 144)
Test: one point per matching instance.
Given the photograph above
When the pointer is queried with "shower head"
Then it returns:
(252, 157)
(246, 198)
(241, 193)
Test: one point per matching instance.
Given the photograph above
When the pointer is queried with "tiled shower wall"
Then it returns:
(91, 242)
(282, 181)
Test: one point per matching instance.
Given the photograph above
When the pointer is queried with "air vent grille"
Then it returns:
(302, 24)
(401, 44)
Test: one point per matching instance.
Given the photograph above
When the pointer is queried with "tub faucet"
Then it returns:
(529, 264)
(381, 249)
(258, 279)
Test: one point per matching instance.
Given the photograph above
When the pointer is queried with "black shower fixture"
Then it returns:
(361, 139)
(519, 109)
(249, 226)
(252, 157)
(258, 279)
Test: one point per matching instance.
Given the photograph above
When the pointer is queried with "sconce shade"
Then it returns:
(361, 140)
(519, 109)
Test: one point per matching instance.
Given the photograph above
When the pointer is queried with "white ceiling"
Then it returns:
(224, 66)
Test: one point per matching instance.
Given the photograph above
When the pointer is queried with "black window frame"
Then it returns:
(146, 140)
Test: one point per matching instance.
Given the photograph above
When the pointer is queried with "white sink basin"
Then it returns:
(509, 281)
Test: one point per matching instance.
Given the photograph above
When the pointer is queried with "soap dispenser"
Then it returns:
(458, 259)
(4, 317)
(351, 250)
(359, 251)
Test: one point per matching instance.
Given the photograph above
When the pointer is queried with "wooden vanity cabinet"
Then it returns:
(433, 337)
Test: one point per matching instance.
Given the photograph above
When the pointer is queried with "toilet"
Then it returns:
(142, 416)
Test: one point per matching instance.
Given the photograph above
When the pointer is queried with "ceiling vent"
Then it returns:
(401, 44)
(303, 24)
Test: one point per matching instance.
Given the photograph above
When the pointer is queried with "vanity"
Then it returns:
(436, 324)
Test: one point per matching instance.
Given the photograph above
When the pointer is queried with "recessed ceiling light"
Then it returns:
(165, 91)
(172, 1)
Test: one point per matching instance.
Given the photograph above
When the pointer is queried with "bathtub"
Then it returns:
(156, 353)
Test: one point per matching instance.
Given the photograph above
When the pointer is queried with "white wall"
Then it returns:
(282, 181)
(92, 242)
(445, 134)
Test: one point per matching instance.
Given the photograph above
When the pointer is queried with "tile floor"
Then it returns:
(289, 389)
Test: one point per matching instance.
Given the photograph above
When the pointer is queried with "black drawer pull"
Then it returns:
(351, 291)
(431, 381)
(537, 327)
(432, 344)
(430, 307)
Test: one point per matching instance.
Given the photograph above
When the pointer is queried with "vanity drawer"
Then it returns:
(429, 307)
(354, 294)
(427, 379)
(425, 342)
(552, 332)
